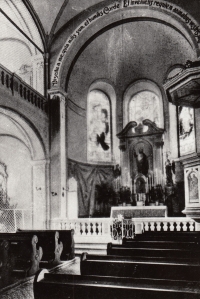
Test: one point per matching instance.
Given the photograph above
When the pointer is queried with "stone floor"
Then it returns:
(24, 288)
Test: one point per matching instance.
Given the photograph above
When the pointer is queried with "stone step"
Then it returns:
(91, 251)
(91, 248)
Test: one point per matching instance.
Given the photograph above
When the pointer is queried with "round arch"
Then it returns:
(136, 88)
(81, 34)
(23, 151)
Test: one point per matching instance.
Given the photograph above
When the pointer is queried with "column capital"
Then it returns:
(57, 91)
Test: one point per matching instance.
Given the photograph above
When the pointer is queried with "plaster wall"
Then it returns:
(122, 55)
(15, 155)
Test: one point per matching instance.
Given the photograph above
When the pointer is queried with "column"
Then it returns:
(40, 194)
(58, 145)
(38, 73)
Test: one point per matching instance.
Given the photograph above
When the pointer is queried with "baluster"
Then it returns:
(170, 226)
(184, 226)
(103, 228)
(77, 228)
(32, 100)
(28, 95)
(25, 93)
(2, 78)
(85, 230)
(81, 229)
(158, 226)
(89, 228)
(68, 225)
(165, 227)
(152, 227)
(191, 226)
(145, 226)
(35, 100)
(65, 226)
(178, 226)
(7, 81)
(194, 227)
(99, 228)
(21, 90)
(39, 103)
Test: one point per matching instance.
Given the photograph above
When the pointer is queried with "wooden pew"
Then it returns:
(167, 236)
(24, 250)
(170, 244)
(155, 251)
(57, 245)
(62, 286)
(93, 265)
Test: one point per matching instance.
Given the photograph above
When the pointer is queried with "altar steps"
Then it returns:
(92, 248)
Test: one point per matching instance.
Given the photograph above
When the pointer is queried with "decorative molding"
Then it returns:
(133, 130)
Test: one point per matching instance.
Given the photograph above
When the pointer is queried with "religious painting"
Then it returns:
(193, 187)
(99, 127)
(186, 130)
(145, 105)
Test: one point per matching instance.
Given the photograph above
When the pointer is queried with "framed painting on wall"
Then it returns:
(186, 131)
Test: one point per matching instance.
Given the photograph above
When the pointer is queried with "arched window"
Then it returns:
(144, 105)
(99, 145)
(18, 53)
(143, 100)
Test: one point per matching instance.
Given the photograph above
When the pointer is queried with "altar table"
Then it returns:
(139, 212)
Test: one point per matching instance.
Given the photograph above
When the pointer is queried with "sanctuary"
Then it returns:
(99, 118)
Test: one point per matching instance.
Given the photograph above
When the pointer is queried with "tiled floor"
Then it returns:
(24, 290)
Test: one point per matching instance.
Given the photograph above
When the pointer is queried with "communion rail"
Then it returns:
(116, 229)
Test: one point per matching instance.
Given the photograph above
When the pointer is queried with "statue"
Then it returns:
(142, 162)
(170, 169)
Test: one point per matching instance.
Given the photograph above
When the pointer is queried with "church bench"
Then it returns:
(57, 245)
(168, 235)
(62, 286)
(140, 269)
(123, 250)
(142, 258)
(170, 244)
(24, 251)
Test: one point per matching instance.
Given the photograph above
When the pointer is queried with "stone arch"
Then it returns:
(79, 35)
(25, 156)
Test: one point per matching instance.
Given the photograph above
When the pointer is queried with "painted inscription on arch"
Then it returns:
(123, 4)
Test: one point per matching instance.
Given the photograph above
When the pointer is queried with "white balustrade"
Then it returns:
(105, 228)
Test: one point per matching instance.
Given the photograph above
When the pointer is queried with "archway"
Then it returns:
(23, 154)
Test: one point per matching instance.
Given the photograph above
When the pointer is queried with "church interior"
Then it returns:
(99, 148)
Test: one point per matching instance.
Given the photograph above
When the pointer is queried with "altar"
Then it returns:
(129, 212)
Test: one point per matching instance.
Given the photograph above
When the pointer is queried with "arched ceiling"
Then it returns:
(126, 53)
(48, 10)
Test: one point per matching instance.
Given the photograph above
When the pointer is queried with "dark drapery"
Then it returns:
(88, 176)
